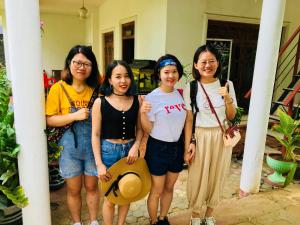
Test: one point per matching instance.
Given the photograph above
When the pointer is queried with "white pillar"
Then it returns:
(261, 96)
(24, 46)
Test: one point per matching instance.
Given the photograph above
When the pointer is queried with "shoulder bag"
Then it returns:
(231, 134)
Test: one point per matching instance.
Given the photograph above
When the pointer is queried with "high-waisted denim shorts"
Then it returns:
(112, 152)
(162, 156)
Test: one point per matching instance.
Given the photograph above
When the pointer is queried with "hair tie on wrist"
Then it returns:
(193, 141)
(229, 102)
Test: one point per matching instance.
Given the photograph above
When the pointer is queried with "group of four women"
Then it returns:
(113, 128)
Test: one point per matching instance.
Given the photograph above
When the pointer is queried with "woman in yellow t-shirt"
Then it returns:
(77, 163)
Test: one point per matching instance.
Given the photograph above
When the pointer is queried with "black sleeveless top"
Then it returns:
(118, 124)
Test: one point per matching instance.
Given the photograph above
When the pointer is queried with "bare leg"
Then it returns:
(74, 201)
(122, 213)
(92, 196)
(108, 212)
(209, 212)
(167, 195)
(157, 187)
(195, 215)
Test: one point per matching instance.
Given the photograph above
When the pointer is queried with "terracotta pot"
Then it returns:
(56, 181)
(12, 216)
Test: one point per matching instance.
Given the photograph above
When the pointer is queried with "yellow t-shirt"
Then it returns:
(57, 102)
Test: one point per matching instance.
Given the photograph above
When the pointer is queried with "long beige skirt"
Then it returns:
(209, 169)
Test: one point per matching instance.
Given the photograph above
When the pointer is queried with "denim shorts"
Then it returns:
(163, 157)
(113, 152)
(77, 156)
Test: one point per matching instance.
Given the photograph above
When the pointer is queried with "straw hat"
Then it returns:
(129, 183)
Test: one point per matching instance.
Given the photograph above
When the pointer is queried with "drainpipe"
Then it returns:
(24, 46)
(261, 97)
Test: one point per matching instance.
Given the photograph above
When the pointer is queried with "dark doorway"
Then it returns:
(2, 56)
(244, 42)
(128, 42)
(108, 48)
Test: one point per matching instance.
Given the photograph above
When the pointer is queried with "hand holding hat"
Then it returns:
(133, 154)
(103, 174)
(128, 183)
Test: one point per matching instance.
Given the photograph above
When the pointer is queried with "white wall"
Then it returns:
(62, 32)
(92, 31)
(150, 26)
(244, 9)
(186, 28)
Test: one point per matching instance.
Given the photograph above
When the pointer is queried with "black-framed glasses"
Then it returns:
(79, 64)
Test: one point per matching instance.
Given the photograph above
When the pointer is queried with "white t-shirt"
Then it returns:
(167, 114)
(205, 118)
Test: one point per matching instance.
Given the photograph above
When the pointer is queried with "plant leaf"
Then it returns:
(290, 175)
(6, 176)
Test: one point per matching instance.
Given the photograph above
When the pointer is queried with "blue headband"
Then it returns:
(167, 62)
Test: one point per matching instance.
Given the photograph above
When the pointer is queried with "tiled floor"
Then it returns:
(268, 207)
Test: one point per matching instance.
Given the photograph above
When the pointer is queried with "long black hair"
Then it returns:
(211, 49)
(106, 88)
(93, 79)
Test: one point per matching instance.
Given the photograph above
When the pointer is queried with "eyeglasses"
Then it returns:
(210, 62)
(79, 64)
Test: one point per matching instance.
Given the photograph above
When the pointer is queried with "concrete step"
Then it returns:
(281, 103)
(290, 89)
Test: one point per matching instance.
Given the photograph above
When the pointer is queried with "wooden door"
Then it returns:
(128, 42)
(244, 45)
(108, 48)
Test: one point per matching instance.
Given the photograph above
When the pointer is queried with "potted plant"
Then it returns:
(56, 181)
(289, 138)
(12, 196)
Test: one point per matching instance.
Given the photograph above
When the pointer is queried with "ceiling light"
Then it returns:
(83, 11)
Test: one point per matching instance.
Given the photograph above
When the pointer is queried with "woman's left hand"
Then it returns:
(223, 91)
(132, 155)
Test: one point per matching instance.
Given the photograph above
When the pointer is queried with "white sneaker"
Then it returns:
(94, 222)
(78, 223)
(210, 221)
(195, 221)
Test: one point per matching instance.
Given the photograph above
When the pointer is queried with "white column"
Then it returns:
(261, 97)
(24, 46)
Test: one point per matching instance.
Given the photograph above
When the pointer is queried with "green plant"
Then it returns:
(54, 150)
(290, 139)
(187, 73)
(10, 190)
(238, 116)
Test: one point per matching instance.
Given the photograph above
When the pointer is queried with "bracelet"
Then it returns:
(229, 102)
(193, 141)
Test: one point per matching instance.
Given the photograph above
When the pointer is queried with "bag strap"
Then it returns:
(68, 96)
(212, 108)
(91, 101)
(93, 97)
(195, 109)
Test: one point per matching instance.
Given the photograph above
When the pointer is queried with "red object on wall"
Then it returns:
(48, 82)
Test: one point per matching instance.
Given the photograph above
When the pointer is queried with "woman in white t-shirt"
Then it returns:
(163, 116)
(208, 158)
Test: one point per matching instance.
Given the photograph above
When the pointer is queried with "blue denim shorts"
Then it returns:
(112, 152)
(163, 157)
(77, 156)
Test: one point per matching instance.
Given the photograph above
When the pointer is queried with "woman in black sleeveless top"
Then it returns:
(116, 121)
